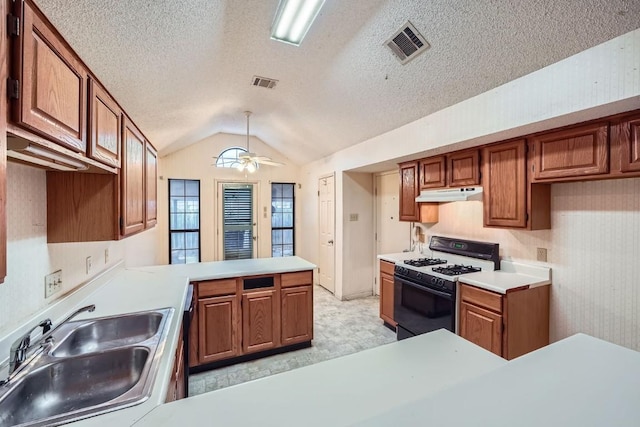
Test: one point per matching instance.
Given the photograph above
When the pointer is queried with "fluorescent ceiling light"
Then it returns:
(293, 20)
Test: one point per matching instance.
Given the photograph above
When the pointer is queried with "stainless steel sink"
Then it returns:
(99, 334)
(94, 366)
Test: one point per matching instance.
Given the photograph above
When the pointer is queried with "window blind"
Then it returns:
(237, 205)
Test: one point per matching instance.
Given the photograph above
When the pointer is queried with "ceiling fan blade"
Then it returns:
(267, 161)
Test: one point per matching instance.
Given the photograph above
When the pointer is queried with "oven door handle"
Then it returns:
(425, 289)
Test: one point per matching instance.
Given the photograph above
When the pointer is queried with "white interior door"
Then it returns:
(392, 235)
(326, 203)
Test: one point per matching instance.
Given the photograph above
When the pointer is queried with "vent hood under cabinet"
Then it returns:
(450, 195)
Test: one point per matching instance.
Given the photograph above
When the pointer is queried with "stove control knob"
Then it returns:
(434, 280)
(419, 276)
(441, 282)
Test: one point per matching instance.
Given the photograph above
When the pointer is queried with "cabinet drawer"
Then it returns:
(387, 267)
(212, 288)
(480, 297)
(296, 279)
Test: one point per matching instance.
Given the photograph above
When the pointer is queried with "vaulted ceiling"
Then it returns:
(183, 68)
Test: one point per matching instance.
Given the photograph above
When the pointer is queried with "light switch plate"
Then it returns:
(52, 283)
(542, 254)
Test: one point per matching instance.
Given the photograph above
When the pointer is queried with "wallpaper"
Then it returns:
(593, 249)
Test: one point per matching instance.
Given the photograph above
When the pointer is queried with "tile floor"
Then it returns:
(340, 328)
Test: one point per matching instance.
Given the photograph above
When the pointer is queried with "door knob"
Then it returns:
(330, 242)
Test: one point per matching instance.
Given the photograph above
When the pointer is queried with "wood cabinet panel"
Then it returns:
(433, 172)
(211, 288)
(133, 180)
(409, 209)
(480, 297)
(481, 327)
(527, 321)
(627, 146)
(52, 82)
(219, 331)
(463, 168)
(81, 207)
(296, 279)
(297, 315)
(386, 299)
(105, 126)
(260, 321)
(3, 144)
(505, 185)
(151, 186)
(571, 153)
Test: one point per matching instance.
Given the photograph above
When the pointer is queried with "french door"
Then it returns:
(237, 220)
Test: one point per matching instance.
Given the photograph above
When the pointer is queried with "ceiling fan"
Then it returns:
(248, 161)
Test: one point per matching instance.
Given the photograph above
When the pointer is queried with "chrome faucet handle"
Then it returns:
(20, 347)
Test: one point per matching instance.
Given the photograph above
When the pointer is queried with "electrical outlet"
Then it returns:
(106, 256)
(88, 264)
(353, 217)
(542, 254)
(52, 283)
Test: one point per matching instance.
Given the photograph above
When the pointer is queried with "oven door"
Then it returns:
(419, 310)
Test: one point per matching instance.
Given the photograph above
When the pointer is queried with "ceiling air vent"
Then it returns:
(407, 43)
(264, 82)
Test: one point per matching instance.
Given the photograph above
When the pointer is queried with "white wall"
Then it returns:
(600, 81)
(357, 236)
(30, 258)
(196, 162)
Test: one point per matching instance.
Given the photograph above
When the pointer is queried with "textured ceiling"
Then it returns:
(182, 68)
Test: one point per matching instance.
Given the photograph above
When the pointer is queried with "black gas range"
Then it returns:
(425, 288)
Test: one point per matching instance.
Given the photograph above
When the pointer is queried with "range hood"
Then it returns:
(449, 195)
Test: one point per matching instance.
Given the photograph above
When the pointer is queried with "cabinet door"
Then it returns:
(481, 327)
(52, 83)
(151, 187)
(105, 126)
(572, 153)
(463, 168)
(432, 172)
(409, 210)
(260, 321)
(133, 194)
(629, 145)
(179, 370)
(297, 315)
(505, 186)
(218, 328)
(386, 298)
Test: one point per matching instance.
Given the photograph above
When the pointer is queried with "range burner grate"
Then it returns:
(424, 262)
(456, 270)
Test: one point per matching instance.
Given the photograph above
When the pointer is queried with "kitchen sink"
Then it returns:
(92, 367)
(100, 334)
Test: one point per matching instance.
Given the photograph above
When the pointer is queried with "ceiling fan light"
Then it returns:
(293, 20)
(251, 167)
(240, 166)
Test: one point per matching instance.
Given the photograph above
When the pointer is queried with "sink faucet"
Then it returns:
(21, 348)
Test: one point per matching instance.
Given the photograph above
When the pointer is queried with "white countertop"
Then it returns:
(401, 256)
(579, 381)
(338, 392)
(512, 275)
(234, 268)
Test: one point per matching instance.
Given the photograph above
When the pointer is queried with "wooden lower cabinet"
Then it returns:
(297, 314)
(260, 321)
(508, 325)
(218, 336)
(386, 292)
(176, 390)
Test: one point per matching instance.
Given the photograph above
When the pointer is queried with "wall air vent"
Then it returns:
(264, 82)
(407, 43)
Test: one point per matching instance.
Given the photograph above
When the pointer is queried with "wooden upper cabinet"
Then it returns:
(432, 172)
(626, 147)
(133, 179)
(571, 154)
(505, 185)
(463, 168)
(409, 209)
(52, 82)
(151, 166)
(105, 126)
